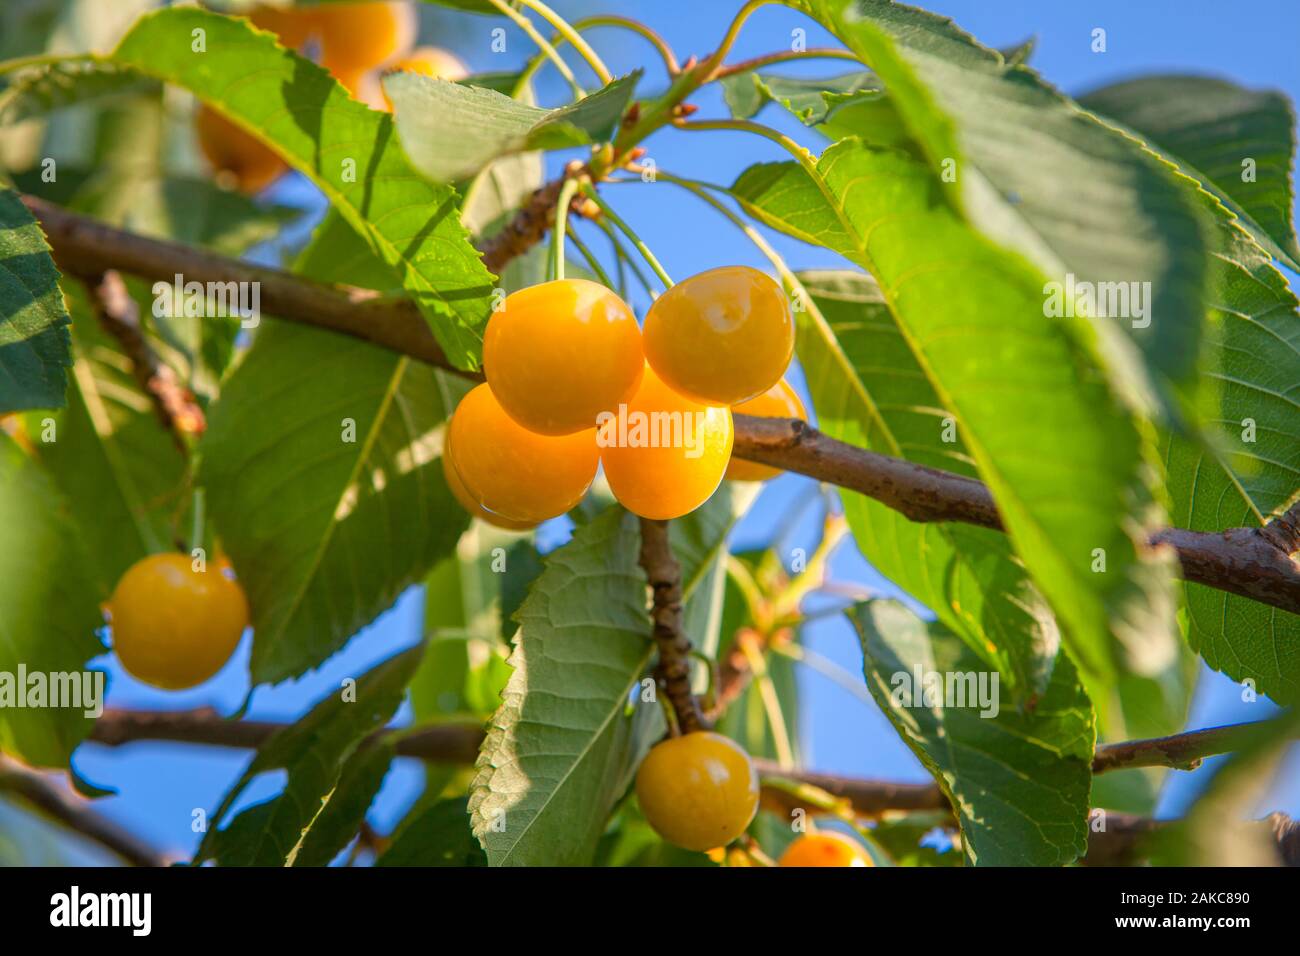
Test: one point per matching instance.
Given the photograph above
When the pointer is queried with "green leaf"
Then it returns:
(1243, 468)
(34, 341)
(1213, 128)
(809, 99)
(631, 841)
(435, 835)
(451, 130)
(1017, 781)
(1248, 468)
(466, 593)
(349, 151)
(869, 391)
(1037, 175)
(1067, 460)
(313, 753)
(324, 482)
(370, 516)
(49, 610)
(65, 83)
(563, 747)
(120, 470)
(345, 808)
(499, 189)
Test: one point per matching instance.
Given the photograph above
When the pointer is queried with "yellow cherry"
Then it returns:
(236, 154)
(361, 36)
(468, 502)
(174, 627)
(825, 849)
(722, 337)
(699, 790)
(523, 477)
(559, 354)
(664, 454)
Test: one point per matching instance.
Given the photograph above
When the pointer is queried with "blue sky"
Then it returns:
(1253, 44)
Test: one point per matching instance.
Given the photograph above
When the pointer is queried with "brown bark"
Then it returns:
(1253, 562)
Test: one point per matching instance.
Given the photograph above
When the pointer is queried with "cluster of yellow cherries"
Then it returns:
(573, 384)
(358, 42)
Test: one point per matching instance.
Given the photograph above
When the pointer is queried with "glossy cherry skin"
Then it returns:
(468, 502)
(174, 627)
(698, 790)
(779, 401)
(721, 337)
(361, 36)
(234, 153)
(560, 353)
(524, 477)
(825, 849)
(665, 454)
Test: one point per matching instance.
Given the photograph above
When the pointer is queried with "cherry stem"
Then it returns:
(592, 262)
(567, 192)
(590, 192)
(714, 62)
(625, 260)
(635, 26)
(569, 33)
(784, 56)
(198, 519)
(547, 50)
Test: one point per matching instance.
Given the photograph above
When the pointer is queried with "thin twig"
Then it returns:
(174, 404)
(74, 812)
(1252, 562)
(458, 743)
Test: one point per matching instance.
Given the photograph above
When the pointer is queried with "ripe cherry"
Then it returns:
(825, 849)
(174, 627)
(560, 353)
(521, 476)
(663, 453)
(722, 337)
(359, 36)
(292, 26)
(699, 790)
(779, 401)
(233, 153)
(468, 502)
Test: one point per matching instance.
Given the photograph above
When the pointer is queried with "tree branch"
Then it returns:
(1121, 842)
(528, 226)
(1126, 838)
(673, 672)
(1183, 751)
(459, 743)
(74, 812)
(1255, 563)
(173, 403)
